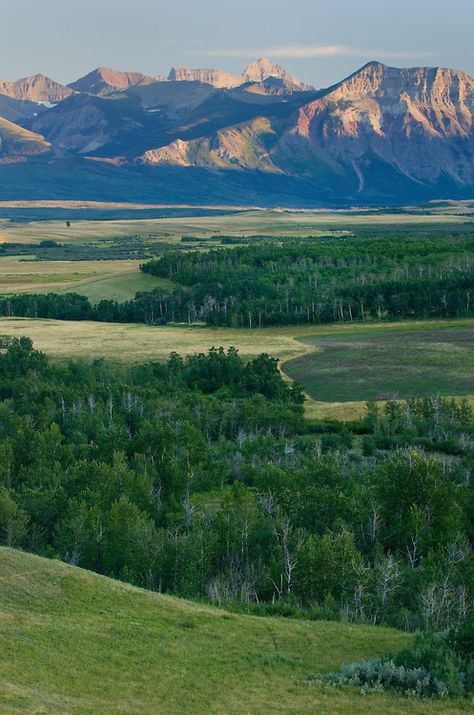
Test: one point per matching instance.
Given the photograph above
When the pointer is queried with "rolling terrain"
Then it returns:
(78, 643)
(98, 280)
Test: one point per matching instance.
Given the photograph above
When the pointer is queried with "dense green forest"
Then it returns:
(332, 280)
(200, 477)
(270, 283)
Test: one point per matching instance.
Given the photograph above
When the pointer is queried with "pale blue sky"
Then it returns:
(319, 41)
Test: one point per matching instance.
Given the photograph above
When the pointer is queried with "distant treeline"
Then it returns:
(269, 284)
(120, 248)
(330, 281)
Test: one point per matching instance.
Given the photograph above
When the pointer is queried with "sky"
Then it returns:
(319, 41)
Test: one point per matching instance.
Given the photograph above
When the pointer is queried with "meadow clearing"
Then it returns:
(331, 391)
(387, 364)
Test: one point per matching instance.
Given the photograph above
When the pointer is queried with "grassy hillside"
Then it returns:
(15, 140)
(75, 642)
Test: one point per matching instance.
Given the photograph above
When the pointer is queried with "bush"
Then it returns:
(430, 668)
(433, 654)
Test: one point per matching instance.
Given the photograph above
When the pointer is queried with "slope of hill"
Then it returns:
(16, 142)
(17, 110)
(77, 643)
(172, 97)
(85, 123)
(242, 147)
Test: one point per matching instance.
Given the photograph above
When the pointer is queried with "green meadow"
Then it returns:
(387, 364)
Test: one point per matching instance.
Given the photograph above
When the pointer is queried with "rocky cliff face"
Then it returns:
(264, 68)
(216, 78)
(418, 120)
(103, 81)
(37, 88)
(256, 72)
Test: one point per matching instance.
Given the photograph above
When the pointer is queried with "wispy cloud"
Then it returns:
(298, 51)
(283, 51)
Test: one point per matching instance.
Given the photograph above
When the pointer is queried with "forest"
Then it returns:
(306, 282)
(271, 283)
(200, 477)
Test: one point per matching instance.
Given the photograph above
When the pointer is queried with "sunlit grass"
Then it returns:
(81, 644)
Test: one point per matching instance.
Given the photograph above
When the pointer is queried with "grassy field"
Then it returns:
(243, 223)
(80, 644)
(115, 280)
(387, 365)
(132, 342)
(436, 367)
(80, 231)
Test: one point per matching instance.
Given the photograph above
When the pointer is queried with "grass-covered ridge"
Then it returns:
(77, 643)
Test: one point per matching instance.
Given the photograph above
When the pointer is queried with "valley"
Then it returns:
(340, 366)
(179, 456)
(236, 358)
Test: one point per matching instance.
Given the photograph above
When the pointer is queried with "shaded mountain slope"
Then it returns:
(19, 111)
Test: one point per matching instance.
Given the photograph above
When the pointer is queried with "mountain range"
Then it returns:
(383, 135)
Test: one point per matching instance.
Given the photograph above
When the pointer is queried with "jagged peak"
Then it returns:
(376, 77)
(264, 68)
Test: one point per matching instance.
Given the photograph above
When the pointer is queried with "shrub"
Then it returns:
(430, 668)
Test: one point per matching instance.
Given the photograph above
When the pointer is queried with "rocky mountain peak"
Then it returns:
(103, 81)
(35, 88)
(264, 68)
